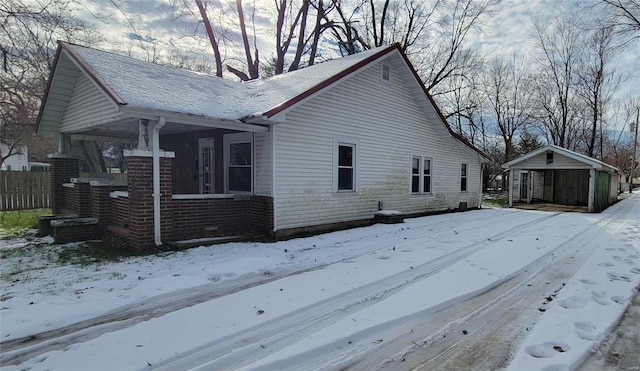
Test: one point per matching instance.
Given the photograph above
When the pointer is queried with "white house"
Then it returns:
(17, 162)
(307, 150)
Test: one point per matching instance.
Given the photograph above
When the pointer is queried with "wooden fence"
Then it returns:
(23, 190)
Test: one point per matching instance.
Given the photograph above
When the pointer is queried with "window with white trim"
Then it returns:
(238, 158)
(346, 167)
(421, 174)
(463, 177)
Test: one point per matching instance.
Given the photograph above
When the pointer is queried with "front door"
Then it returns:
(206, 166)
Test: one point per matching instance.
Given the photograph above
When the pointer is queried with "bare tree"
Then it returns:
(559, 47)
(432, 33)
(447, 57)
(505, 88)
(28, 43)
(344, 29)
(624, 16)
(618, 150)
(212, 37)
(253, 62)
(596, 85)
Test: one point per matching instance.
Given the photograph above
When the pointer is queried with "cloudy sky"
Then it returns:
(154, 27)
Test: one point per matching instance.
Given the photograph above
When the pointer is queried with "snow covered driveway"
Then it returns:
(485, 289)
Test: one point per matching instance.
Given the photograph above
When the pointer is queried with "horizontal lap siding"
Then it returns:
(390, 127)
(88, 104)
(263, 163)
(559, 162)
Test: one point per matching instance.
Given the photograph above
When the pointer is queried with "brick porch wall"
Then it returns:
(63, 168)
(194, 218)
(120, 211)
(77, 199)
(261, 213)
(203, 217)
(140, 188)
(102, 205)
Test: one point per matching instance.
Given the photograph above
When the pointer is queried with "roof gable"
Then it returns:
(594, 163)
(156, 89)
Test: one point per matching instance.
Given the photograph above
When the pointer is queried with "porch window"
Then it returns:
(463, 177)
(420, 175)
(239, 162)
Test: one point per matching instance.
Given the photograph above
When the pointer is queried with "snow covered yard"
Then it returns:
(393, 295)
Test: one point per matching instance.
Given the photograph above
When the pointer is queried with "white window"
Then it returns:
(463, 177)
(421, 174)
(385, 73)
(345, 165)
(238, 159)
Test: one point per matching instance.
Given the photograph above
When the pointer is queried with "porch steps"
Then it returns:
(71, 230)
(44, 223)
(186, 244)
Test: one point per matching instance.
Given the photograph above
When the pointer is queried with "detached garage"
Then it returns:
(557, 175)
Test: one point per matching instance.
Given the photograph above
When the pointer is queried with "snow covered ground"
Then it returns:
(546, 287)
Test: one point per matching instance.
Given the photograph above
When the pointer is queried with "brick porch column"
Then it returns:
(63, 168)
(140, 188)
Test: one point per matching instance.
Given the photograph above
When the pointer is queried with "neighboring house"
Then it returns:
(16, 162)
(310, 150)
(557, 175)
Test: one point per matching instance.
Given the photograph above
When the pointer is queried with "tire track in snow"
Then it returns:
(494, 321)
(244, 347)
(18, 350)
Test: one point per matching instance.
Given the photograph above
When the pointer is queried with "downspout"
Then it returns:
(482, 169)
(156, 180)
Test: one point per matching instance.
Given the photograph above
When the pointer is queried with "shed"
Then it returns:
(557, 175)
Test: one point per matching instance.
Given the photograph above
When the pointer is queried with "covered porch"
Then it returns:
(184, 182)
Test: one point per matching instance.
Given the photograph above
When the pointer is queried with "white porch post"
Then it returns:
(510, 175)
(592, 190)
(64, 143)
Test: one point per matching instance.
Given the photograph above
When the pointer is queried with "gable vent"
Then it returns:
(385, 72)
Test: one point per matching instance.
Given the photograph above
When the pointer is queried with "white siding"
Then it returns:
(62, 85)
(263, 163)
(559, 162)
(390, 127)
(614, 185)
(87, 105)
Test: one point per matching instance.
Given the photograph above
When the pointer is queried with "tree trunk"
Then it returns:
(252, 65)
(212, 38)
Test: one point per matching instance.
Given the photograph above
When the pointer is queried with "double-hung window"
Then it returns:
(463, 177)
(420, 174)
(238, 162)
(346, 167)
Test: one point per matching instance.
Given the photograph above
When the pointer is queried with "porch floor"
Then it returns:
(543, 206)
